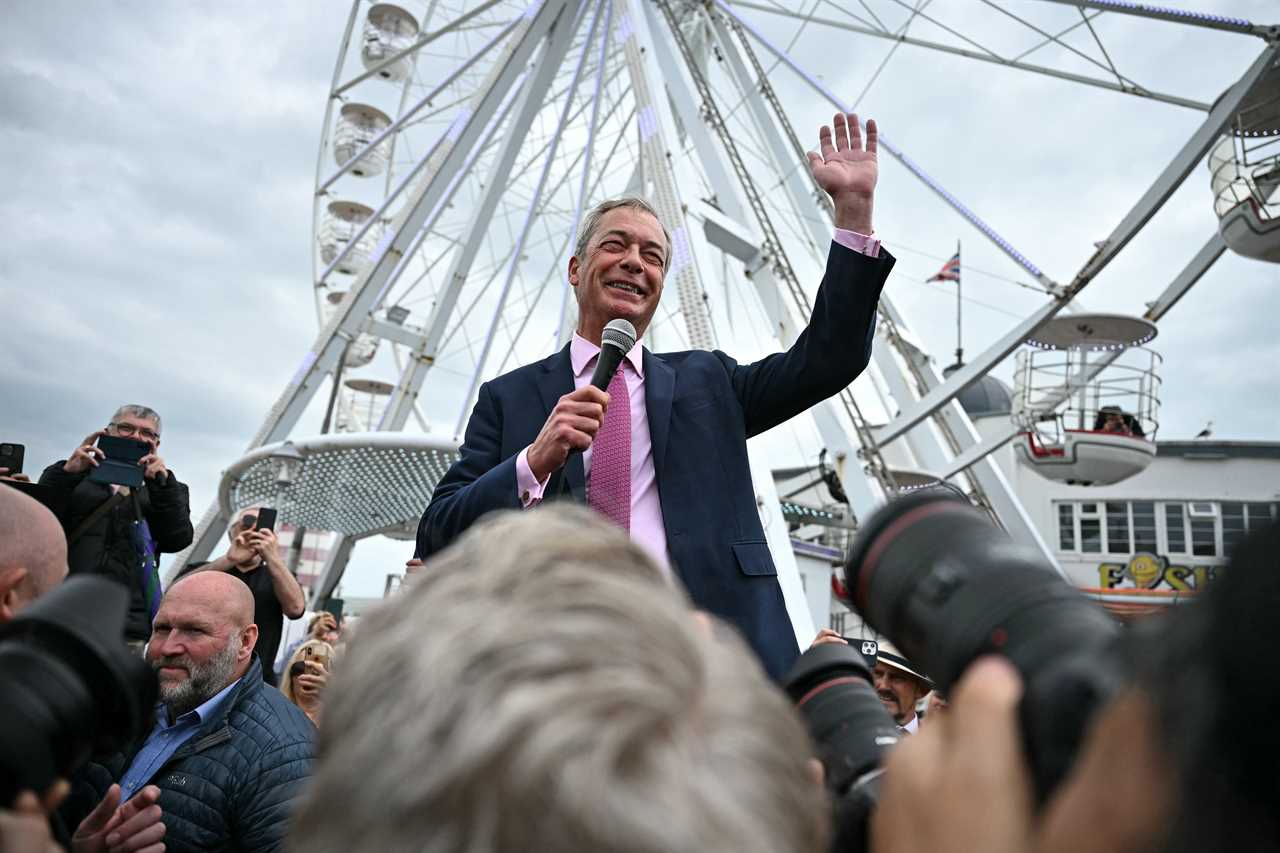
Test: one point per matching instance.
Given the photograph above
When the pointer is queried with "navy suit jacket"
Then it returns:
(702, 408)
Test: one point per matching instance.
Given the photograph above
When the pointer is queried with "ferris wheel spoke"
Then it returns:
(1059, 34)
(893, 150)
(422, 41)
(984, 56)
(622, 136)
(444, 84)
(1109, 66)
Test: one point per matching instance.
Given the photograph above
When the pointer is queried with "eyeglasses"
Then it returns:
(248, 521)
(129, 429)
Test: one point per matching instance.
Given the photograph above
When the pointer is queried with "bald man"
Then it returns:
(33, 552)
(228, 752)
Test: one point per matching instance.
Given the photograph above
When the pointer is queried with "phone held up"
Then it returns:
(266, 519)
(120, 463)
(11, 457)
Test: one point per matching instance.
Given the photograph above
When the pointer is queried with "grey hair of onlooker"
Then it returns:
(543, 686)
(591, 224)
(134, 411)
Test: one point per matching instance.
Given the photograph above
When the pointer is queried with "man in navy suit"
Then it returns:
(685, 493)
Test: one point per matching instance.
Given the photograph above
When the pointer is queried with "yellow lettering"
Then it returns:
(1176, 577)
(1203, 575)
(1110, 575)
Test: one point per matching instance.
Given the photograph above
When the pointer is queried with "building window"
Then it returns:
(1175, 528)
(1260, 515)
(1203, 538)
(1066, 527)
(837, 621)
(1090, 529)
(1144, 528)
(1233, 525)
(1117, 528)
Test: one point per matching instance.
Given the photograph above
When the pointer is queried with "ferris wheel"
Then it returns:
(463, 142)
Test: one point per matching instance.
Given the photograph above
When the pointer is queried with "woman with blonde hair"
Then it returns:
(306, 675)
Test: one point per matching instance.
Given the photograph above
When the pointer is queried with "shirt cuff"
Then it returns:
(863, 244)
(528, 488)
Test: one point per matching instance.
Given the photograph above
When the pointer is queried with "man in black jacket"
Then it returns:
(228, 753)
(104, 523)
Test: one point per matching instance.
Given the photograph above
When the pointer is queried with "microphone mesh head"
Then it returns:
(619, 333)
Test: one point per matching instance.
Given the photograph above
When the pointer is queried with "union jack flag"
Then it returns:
(950, 270)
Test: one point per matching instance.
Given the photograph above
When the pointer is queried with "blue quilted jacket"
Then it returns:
(233, 784)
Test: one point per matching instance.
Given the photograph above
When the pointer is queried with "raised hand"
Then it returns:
(153, 467)
(264, 544)
(241, 550)
(847, 170)
(85, 456)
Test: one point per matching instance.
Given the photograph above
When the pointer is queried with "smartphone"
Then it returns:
(314, 654)
(266, 519)
(298, 668)
(870, 649)
(11, 456)
(120, 467)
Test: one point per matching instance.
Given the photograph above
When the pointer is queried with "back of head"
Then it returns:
(543, 687)
(33, 548)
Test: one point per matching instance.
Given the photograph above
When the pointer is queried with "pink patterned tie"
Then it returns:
(610, 488)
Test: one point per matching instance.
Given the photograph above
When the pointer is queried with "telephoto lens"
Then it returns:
(833, 690)
(946, 585)
(71, 686)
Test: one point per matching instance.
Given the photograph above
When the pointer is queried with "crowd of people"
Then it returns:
(555, 677)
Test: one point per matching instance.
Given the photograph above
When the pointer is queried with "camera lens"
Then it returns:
(945, 585)
(832, 688)
(71, 686)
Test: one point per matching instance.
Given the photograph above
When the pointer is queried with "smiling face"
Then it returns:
(620, 273)
(899, 692)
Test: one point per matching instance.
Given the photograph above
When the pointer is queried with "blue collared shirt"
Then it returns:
(165, 739)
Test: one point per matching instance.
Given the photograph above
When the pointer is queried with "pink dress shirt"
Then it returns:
(647, 528)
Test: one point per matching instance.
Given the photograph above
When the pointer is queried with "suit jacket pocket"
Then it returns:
(754, 558)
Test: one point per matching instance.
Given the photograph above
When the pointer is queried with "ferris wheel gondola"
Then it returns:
(1095, 431)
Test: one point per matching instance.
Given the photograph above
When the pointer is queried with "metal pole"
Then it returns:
(897, 38)
(959, 333)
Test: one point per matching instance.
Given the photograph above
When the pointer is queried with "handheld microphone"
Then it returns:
(616, 341)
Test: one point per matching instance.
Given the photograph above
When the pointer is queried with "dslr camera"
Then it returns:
(945, 585)
(71, 687)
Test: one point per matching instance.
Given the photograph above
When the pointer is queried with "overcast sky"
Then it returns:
(160, 168)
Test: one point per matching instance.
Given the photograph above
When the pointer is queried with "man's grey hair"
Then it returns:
(591, 224)
(134, 411)
(543, 686)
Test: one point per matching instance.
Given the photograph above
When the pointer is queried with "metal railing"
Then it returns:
(1128, 386)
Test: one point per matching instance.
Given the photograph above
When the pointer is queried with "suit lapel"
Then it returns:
(556, 380)
(660, 384)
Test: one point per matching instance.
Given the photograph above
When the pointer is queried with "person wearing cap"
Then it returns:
(900, 686)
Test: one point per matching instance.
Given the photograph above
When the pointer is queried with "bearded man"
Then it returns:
(228, 753)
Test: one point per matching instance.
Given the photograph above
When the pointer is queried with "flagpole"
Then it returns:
(959, 339)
